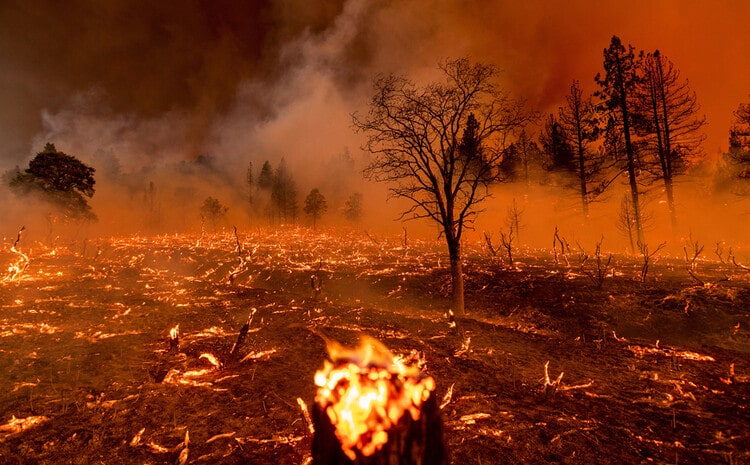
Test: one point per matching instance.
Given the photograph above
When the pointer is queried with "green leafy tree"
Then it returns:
(415, 135)
(61, 179)
(315, 205)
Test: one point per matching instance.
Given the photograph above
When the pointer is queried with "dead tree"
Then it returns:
(643, 247)
(507, 242)
(490, 246)
(438, 147)
(564, 247)
(602, 267)
(243, 261)
(691, 258)
(514, 219)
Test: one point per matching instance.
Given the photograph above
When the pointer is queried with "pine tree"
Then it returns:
(667, 119)
(617, 93)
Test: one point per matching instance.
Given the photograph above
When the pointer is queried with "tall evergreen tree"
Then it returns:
(579, 120)
(284, 194)
(668, 121)
(555, 146)
(617, 93)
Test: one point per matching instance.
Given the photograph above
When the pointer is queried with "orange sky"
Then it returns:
(191, 64)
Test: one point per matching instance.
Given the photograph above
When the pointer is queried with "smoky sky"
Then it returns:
(221, 75)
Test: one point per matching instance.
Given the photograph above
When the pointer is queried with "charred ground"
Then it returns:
(653, 372)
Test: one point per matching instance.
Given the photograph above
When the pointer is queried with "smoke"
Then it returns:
(173, 105)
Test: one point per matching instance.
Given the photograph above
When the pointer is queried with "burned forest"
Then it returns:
(359, 232)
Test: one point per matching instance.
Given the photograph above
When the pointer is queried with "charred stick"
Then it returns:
(241, 337)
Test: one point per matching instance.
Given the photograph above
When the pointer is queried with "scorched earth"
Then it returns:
(127, 350)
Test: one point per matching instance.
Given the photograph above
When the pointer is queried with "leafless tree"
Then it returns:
(438, 146)
(647, 257)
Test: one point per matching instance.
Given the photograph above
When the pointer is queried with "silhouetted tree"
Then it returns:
(579, 121)
(250, 183)
(733, 171)
(739, 136)
(668, 119)
(555, 146)
(415, 134)
(284, 194)
(519, 159)
(353, 207)
(315, 205)
(265, 178)
(617, 94)
(213, 211)
(60, 179)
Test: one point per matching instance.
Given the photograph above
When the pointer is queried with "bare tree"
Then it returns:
(438, 147)
(668, 120)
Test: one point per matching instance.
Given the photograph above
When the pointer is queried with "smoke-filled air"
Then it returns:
(202, 201)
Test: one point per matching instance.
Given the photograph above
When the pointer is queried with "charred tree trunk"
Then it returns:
(457, 277)
(410, 442)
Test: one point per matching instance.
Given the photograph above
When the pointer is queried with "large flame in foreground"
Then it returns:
(365, 392)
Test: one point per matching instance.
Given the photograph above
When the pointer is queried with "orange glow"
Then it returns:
(366, 392)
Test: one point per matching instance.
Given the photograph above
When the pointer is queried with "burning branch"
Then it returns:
(15, 269)
(550, 387)
(243, 260)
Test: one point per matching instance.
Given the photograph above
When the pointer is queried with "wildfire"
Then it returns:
(366, 392)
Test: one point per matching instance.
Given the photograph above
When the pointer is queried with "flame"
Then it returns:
(365, 392)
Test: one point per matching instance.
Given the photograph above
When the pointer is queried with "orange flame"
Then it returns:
(365, 392)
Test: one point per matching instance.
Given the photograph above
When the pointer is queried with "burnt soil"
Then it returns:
(653, 372)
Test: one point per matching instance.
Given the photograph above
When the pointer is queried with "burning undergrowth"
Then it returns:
(143, 350)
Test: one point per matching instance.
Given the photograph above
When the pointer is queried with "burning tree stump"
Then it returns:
(372, 410)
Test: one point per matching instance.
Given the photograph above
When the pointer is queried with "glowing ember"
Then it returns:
(17, 425)
(365, 393)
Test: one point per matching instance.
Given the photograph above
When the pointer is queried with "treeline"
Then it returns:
(642, 125)
(272, 194)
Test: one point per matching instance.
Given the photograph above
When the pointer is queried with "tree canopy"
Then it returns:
(61, 179)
